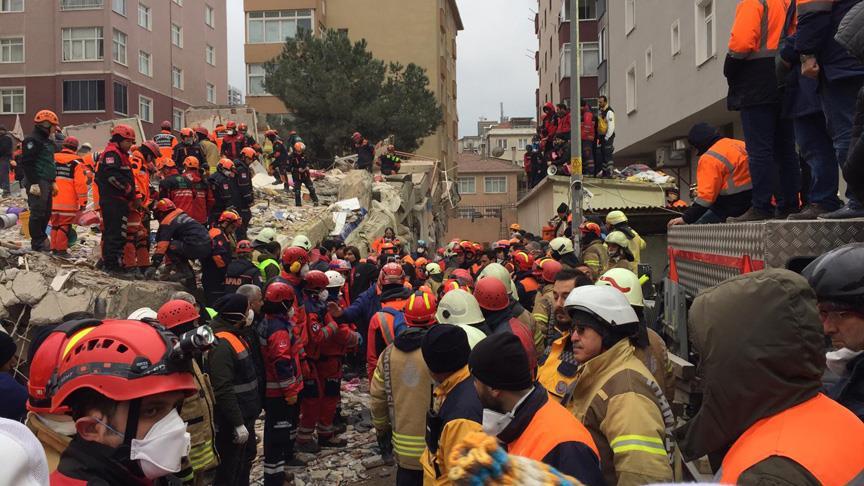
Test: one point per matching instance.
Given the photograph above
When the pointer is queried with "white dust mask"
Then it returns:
(160, 451)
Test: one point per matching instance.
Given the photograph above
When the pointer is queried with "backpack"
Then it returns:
(399, 323)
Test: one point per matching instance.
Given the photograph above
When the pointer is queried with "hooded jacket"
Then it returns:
(91, 463)
(595, 256)
(746, 367)
(849, 390)
(401, 391)
(722, 175)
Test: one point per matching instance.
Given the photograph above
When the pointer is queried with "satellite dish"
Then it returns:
(497, 152)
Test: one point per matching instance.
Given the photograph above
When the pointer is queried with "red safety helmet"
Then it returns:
(271, 133)
(549, 269)
(225, 164)
(590, 227)
(339, 265)
(463, 277)
(315, 280)
(151, 147)
(164, 205)
(165, 125)
(42, 367)
(191, 162)
(502, 244)
(242, 127)
(293, 259)
(230, 216)
(176, 312)
(124, 131)
(231, 125)
(451, 284)
(186, 132)
(467, 247)
(491, 294)
(523, 261)
(243, 246)
(122, 360)
(278, 292)
(420, 309)
(46, 116)
(356, 137)
(71, 143)
(249, 152)
(201, 130)
(391, 273)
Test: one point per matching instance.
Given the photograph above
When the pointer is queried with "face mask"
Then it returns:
(290, 312)
(160, 451)
(837, 360)
(250, 316)
(495, 422)
(304, 270)
(322, 296)
(62, 427)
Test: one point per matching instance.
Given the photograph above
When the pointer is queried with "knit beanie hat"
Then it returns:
(7, 348)
(445, 348)
(500, 362)
(232, 308)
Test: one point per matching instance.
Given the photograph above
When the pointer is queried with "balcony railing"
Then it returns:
(80, 4)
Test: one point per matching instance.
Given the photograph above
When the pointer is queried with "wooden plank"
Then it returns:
(683, 369)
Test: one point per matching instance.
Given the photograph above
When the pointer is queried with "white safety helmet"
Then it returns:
(334, 279)
(458, 307)
(496, 270)
(615, 217)
(266, 235)
(561, 245)
(626, 282)
(142, 313)
(433, 269)
(605, 303)
(302, 241)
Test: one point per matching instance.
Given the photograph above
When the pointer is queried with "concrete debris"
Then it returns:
(55, 305)
(357, 183)
(373, 226)
(29, 287)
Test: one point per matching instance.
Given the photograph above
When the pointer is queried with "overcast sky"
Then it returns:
(495, 60)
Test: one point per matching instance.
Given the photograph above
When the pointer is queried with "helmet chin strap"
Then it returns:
(123, 452)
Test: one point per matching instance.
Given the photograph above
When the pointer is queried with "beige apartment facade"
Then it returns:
(419, 31)
(488, 190)
(91, 60)
(509, 143)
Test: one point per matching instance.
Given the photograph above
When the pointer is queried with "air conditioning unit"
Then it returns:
(668, 157)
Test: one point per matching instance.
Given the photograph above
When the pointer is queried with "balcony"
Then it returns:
(81, 4)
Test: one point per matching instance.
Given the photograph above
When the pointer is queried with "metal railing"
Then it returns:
(80, 4)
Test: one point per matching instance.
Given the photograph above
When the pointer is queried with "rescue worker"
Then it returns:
(520, 414)
(612, 386)
(389, 162)
(401, 391)
(544, 304)
(71, 197)
(422, 250)
(459, 308)
(180, 238)
(189, 191)
(723, 179)
(39, 169)
(209, 149)
(526, 285)
(770, 420)
(559, 223)
(278, 159)
(494, 301)
(434, 277)
(750, 70)
(214, 267)
(233, 142)
(187, 147)
(455, 410)
(249, 140)
(281, 350)
(835, 277)
(594, 254)
(604, 153)
(617, 220)
(500, 273)
(327, 344)
(235, 388)
(130, 413)
(365, 152)
(226, 194)
(180, 317)
(562, 250)
(618, 248)
(165, 140)
(85, 151)
(266, 254)
(243, 178)
(241, 271)
(299, 167)
(388, 320)
(116, 196)
(136, 252)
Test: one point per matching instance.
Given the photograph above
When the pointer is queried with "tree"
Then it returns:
(334, 88)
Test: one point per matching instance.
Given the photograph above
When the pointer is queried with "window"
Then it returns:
(604, 41)
(177, 118)
(494, 184)
(649, 62)
(209, 16)
(255, 80)
(177, 35)
(84, 95)
(466, 185)
(12, 50)
(145, 65)
(176, 77)
(211, 93)
(522, 143)
(210, 55)
(145, 109)
(121, 99)
(590, 59)
(11, 101)
(587, 10)
(706, 31)
(501, 143)
(178, 2)
(275, 26)
(631, 88)
(118, 53)
(80, 4)
(82, 44)
(629, 16)
(145, 17)
(119, 6)
(675, 34)
(12, 6)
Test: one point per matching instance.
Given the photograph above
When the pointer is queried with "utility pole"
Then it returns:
(575, 127)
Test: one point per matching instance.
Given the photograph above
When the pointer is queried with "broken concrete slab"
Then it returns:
(60, 279)
(55, 305)
(373, 226)
(29, 287)
(357, 183)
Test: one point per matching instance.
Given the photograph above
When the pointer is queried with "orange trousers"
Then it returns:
(136, 252)
(61, 225)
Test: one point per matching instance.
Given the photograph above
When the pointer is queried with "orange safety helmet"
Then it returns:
(491, 294)
(420, 309)
(225, 164)
(502, 244)
(242, 127)
(243, 247)
(201, 130)
(249, 152)
(549, 269)
(271, 133)
(191, 162)
(124, 131)
(165, 162)
(523, 261)
(293, 259)
(46, 116)
(299, 147)
(463, 277)
(186, 132)
(391, 273)
(42, 367)
(176, 312)
(451, 284)
(421, 262)
(590, 227)
(151, 147)
(164, 205)
(230, 216)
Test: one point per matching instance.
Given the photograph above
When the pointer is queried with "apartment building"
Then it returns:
(488, 191)
(419, 31)
(91, 60)
(552, 60)
(662, 68)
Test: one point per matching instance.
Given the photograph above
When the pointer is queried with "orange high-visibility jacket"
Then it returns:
(722, 171)
(820, 435)
(71, 183)
(757, 28)
(141, 176)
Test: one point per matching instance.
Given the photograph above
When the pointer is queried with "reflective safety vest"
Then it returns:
(820, 435)
(262, 266)
(722, 171)
(211, 312)
(551, 425)
(245, 377)
(197, 412)
(757, 29)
